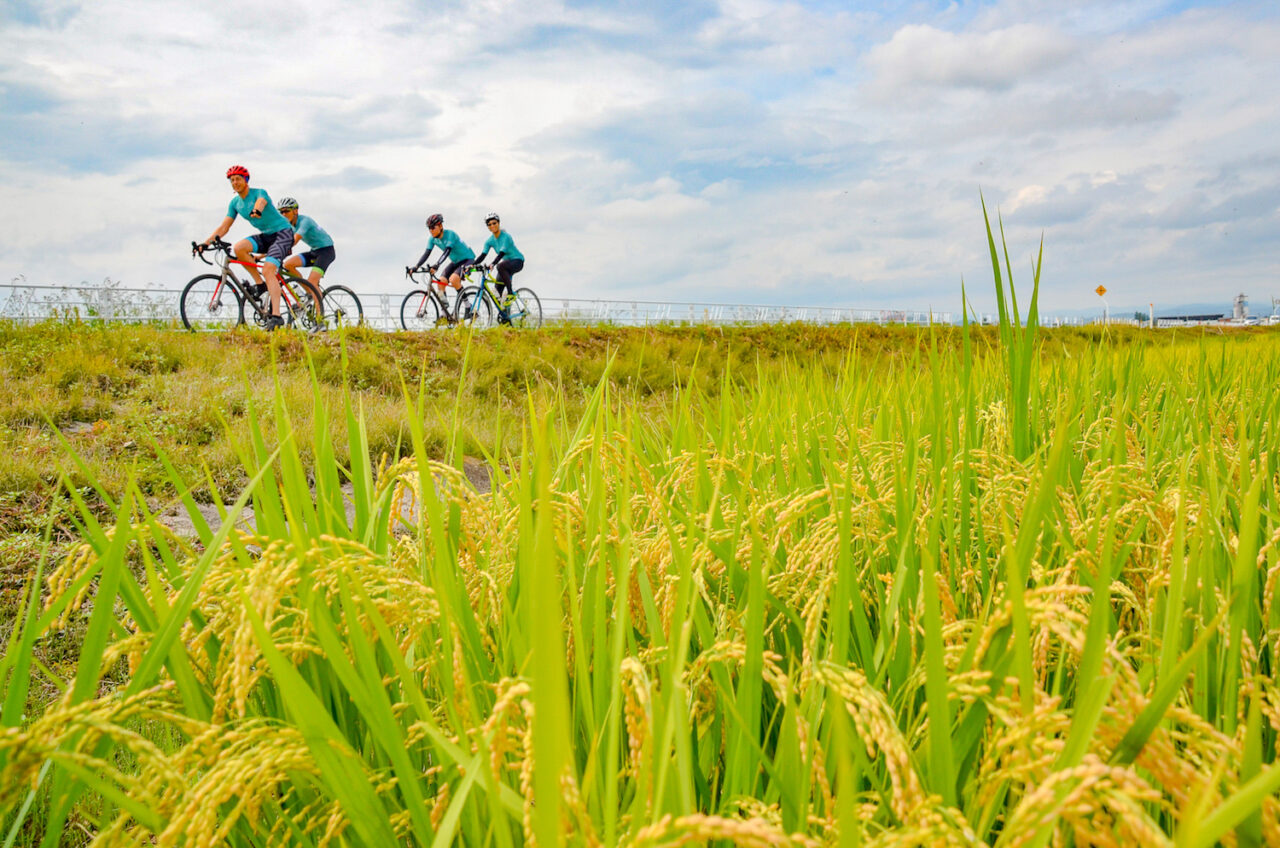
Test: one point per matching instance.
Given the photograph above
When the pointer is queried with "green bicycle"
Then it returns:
(479, 305)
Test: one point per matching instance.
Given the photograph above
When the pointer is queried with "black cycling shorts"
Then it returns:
(321, 257)
(460, 267)
(505, 268)
(276, 246)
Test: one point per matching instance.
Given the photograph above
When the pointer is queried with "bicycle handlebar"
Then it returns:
(429, 270)
(198, 249)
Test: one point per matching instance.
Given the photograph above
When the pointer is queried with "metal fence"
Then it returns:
(111, 302)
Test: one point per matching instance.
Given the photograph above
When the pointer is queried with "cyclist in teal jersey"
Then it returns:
(274, 238)
(508, 260)
(321, 254)
(457, 256)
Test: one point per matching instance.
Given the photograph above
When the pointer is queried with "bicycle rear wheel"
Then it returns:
(210, 303)
(418, 311)
(525, 310)
(474, 310)
(341, 308)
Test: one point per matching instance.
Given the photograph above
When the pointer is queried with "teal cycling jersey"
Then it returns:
(271, 220)
(456, 249)
(504, 245)
(312, 233)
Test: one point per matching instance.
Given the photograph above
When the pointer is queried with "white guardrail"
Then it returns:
(110, 302)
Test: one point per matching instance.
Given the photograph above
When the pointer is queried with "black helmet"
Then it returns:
(434, 220)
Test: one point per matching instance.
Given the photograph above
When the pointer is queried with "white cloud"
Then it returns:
(740, 150)
(920, 54)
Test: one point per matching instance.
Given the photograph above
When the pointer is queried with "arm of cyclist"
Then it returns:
(490, 244)
(221, 231)
(418, 266)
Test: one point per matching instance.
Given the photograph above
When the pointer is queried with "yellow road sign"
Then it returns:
(1101, 290)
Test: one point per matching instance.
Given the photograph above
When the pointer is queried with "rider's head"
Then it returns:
(239, 176)
(288, 207)
(491, 221)
(435, 221)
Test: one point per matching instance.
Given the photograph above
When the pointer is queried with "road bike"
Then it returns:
(427, 308)
(480, 305)
(214, 301)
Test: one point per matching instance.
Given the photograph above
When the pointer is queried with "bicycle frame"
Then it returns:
(484, 290)
(288, 296)
(225, 259)
(433, 286)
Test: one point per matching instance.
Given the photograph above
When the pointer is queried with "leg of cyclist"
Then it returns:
(291, 268)
(503, 271)
(452, 275)
(318, 261)
(278, 245)
(313, 283)
(455, 274)
(244, 250)
(273, 287)
(506, 291)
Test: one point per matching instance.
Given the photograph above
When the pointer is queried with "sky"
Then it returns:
(729, 151)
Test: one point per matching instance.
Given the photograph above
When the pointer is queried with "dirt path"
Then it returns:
(177, 519)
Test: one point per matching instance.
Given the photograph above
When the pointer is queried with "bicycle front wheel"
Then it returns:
(525, 310)
(210, 303)
(341, 308)
(418, 311)
(474, 309)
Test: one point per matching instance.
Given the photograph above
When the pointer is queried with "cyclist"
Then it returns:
(321, 254)
(456, 253)
(508, 260)
(274, 238)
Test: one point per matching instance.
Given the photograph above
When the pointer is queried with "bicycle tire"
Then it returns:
(340, 308)
(201, 311)
(475, 311)
(525, 311)
(308, 312)
(419, 311)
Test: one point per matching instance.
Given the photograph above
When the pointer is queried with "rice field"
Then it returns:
(1009, 600)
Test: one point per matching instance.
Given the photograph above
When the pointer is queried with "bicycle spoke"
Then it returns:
(419, 311)
(341, 308)
(209, 302)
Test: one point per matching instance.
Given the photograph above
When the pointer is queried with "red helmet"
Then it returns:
(238, 171)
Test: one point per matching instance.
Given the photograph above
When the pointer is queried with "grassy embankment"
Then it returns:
(809, 592)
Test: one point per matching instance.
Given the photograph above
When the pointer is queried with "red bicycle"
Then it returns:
(217, 301)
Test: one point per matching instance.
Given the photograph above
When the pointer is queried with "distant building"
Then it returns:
(1240, 309)
(1208, 317)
